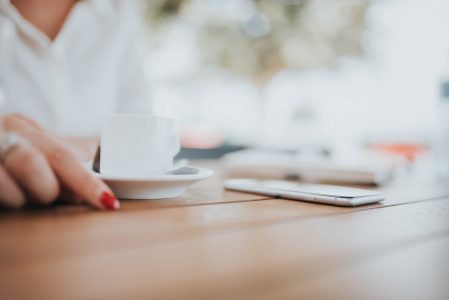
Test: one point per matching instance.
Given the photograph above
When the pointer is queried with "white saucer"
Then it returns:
(155, 186)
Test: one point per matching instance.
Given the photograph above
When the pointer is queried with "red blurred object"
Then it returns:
(201, 139)
(408, 150)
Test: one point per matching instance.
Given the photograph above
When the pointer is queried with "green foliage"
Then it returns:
(269, 35)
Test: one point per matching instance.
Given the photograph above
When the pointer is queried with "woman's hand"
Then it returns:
(41, 167)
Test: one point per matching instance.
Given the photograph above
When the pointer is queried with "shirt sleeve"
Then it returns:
(134, 92)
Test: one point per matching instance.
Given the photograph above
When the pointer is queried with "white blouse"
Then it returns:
(93, 68)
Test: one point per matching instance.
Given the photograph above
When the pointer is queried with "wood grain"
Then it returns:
(230, 264)
(140, 222)
(416, 272)
(215, 244)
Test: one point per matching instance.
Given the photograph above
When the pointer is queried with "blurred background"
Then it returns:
(334, 75)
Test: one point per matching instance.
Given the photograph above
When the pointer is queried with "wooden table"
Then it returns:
(215, 244)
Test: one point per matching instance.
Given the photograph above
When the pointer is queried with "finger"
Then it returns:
(13, 120)
(31, 122)
(71, 172)
(68, 196)
(10, 194)
(32, 172)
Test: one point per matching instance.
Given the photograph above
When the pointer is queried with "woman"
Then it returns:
(64, 66)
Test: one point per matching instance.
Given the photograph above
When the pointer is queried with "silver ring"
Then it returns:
(8, 142)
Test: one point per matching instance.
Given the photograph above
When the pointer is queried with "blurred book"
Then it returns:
(274, 165)
(208, 153)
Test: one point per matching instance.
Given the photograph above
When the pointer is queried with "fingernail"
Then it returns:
(109, 201)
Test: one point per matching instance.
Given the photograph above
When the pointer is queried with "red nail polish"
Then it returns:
(109, 201)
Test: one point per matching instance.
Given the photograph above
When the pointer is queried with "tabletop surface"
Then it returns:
(216, 244)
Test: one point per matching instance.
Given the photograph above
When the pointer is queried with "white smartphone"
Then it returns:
(320, 193)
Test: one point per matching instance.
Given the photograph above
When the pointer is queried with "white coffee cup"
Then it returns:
(138, 145)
